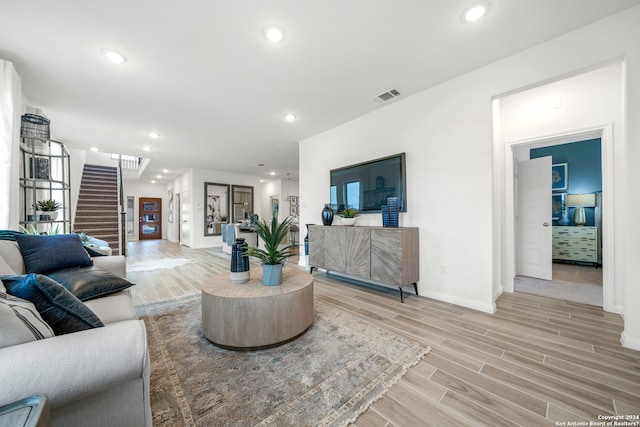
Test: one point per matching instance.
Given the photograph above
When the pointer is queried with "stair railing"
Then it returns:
(123, 212)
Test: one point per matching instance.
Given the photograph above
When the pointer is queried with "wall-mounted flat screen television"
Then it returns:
(366, 186)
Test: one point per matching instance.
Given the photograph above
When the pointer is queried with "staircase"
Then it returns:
(97, 211)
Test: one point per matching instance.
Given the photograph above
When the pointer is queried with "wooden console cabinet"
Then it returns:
(389, 256)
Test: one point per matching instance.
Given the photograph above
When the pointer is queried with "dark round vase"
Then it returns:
(327, 215)
(239, 261)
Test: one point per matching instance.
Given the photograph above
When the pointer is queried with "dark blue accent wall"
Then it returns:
(584, 168)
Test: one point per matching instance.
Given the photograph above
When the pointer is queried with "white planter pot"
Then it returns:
(349, 221)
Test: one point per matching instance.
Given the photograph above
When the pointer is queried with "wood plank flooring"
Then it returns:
(536, 362)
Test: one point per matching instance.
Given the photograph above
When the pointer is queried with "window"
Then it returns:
(333, 197)
(352, 199)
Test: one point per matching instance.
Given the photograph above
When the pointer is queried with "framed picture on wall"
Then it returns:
(557, 205)
(293, 210)
(559, 177)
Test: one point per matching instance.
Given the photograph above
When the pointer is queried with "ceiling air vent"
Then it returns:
(386, 96)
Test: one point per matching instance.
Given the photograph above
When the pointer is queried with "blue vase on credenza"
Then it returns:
(327, 215)
(394, 211)
(385, 215)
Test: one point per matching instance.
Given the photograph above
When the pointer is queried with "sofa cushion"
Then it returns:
(10, 252)
(58, 307)
(114, 308)
(20, 322)
(42, 254)
(89, 282)
(5, 270)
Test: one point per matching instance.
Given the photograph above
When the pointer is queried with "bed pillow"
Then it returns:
(42, 254)
(87, 283)
(58, 307)
(20, 322)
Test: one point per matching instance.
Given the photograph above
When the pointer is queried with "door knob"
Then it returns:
(546, 224)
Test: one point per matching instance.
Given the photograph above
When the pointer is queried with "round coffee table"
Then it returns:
(250, 316)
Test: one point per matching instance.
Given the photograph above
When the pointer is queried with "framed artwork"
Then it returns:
(557, 205)
(39, 168)
(216, 200)
(170, 197)
(293, 210)
(293, 200)
(559, 177)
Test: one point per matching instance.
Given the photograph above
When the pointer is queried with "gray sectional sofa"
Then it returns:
(95, 377)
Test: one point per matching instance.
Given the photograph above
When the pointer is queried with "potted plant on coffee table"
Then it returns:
(348, 216)
(272, 257)
(49, 208)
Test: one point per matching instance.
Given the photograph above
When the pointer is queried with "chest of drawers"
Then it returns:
(575, 244)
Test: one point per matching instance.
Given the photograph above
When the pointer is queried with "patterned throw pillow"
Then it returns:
(20, 322)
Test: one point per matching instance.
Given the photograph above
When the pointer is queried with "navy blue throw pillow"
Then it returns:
(89, 282)
(58, 307)
(42, 254)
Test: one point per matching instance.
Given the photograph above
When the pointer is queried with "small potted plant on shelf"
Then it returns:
(50, 208)
(348, 216)
(272, 257)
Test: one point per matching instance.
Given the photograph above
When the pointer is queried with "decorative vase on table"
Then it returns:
(327, 215)
(239, 262)
(271, 274)
(385, 216)
(394, 211)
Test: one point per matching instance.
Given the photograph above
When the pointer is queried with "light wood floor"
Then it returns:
(536, 362)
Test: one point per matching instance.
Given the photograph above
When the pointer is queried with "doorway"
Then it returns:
(577, 249)
(150, 218)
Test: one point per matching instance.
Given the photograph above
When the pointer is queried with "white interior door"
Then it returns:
(185, 218)
(534, 247)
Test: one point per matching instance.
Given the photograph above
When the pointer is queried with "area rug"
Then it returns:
(327, 377)
(158, 264)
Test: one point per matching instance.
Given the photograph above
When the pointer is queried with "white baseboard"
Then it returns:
(629, 342)
(463, 302)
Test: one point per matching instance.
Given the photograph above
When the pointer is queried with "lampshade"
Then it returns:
(587, 200)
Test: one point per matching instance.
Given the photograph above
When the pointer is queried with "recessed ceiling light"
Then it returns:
(290, 117)
(154, 135)
(274, 34)
(146, 148)
(272, 173)
(113, 56)
(165, 170)
(159, 176)
(153, 182)
(475, 12)
(94, 149)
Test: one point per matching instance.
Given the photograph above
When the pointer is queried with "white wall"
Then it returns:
(194, 181)
(447, 133)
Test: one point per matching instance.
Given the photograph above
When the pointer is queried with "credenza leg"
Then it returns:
(401, 297)
(415, 286)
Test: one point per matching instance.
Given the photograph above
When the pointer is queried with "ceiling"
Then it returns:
(201, 74)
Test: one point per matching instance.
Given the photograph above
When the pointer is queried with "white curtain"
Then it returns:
(10, 100)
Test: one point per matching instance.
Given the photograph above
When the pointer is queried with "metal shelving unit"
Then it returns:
(45, 174)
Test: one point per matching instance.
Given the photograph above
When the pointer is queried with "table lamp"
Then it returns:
(579, 202)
